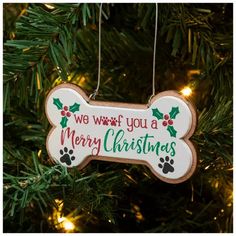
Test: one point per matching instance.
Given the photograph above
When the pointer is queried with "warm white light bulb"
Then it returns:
(49, 6)
(68, 225)
(60, 219)
(186, 91)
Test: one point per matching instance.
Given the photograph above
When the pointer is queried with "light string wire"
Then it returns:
(93, 95)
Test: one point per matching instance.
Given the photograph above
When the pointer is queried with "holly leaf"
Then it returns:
(57, 102)
(63, 121)
(74, 107)
(157, 114)
(172, 131)
(174, 112)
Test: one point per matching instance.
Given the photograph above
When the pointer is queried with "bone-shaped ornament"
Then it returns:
(157, 136)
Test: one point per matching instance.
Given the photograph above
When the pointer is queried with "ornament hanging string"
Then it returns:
(154, 58)
(93, 95)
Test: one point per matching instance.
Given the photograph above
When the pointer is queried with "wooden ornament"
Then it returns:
(156, 136)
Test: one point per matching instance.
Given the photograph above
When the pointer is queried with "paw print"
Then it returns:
(166, 165)
(66, 156)
(113, 121)
(105, 120)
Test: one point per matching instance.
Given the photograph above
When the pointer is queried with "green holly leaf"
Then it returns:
(174, 112)
(57, 102)
(172, 131)
(157, 114)
(74, 107)
(63, 121)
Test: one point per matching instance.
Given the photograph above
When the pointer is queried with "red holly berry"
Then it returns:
(164, 123)
(65, 108)
(68, 114)
(170, 122)
(166, 117)
(63, 113)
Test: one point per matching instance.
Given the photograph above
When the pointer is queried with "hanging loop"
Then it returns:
(154, 58)
(94, 94)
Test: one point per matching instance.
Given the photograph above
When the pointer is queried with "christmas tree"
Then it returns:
(48, 44)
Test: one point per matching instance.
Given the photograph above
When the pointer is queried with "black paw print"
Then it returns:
(113, 121)
(66, 157)
(105, 120)
(166, 165)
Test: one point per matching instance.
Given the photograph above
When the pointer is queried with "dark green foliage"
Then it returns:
(43, 47)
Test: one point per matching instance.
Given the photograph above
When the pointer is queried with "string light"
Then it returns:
(229, 196)
(39, 153)
(186, 91)
(49, 6)
(67, 225)
(136, 210)
(191, 73)
(59, 221)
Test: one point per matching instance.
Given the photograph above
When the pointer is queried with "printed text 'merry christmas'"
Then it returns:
(116, 142)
